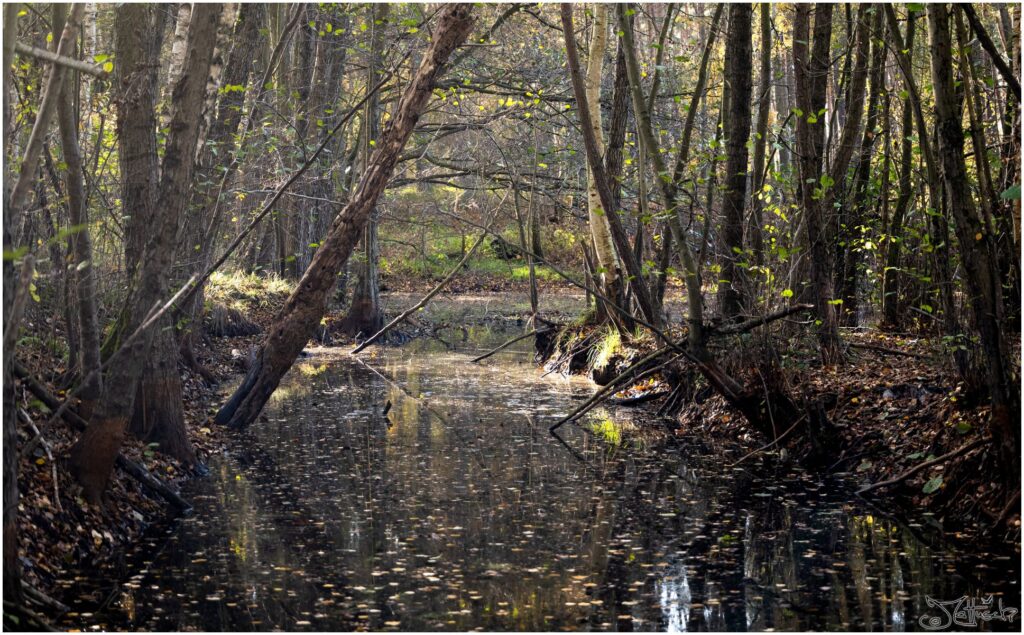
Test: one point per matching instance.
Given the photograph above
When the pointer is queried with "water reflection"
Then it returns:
(456, 510)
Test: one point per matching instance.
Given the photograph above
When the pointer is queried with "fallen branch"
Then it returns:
(887, 351)
(639, 399)
(133, 469)
(749, 325)
(769, 445)
(49, 56)
(42, 599)
(629, 375)
(27, 420)
(917, 468)
(507, 344)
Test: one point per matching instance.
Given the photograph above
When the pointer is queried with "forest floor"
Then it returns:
(894, 410)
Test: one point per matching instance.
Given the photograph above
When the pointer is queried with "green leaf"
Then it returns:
(932, 485)
(788, 293)
(108, 67)
(15, 254)
(1012, 193)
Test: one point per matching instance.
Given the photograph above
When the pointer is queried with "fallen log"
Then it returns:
(132, 468)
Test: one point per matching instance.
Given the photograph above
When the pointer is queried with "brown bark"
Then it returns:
(667, 189)
(93, 456)
(976, 249)
(851, 212)
(12, 565)
(894, 240)
(811, 75)
(80, 243)
(738, 54)
(303, 310)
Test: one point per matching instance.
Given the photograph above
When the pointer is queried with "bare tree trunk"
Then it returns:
(302, 312)
(81, 245)
(604, 189)
(976, 249)
(764, 85)
(217, 156)
(47, 107)
(364, 314)
(811, 74)
(738, 54)
(12, 564)
(93, 456)
(851, 211)
(891, 272)
(600, 229)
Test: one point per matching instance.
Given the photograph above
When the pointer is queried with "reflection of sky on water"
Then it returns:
(674, 597)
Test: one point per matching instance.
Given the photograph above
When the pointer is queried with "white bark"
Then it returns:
(600, 230)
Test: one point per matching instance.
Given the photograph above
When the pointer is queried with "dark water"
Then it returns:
(458, 511)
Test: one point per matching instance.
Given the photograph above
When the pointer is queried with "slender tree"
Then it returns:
(811, 75)
(738, 57)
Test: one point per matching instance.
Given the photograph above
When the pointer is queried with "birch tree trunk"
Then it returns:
(600, 231)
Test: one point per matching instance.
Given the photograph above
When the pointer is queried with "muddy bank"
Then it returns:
(894, 406)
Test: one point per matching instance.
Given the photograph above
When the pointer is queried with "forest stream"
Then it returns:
(459, 511)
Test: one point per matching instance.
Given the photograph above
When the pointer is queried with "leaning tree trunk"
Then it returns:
(976, 249)
(731, 283)
(217, 164)
(302, 312)
(93, 456)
